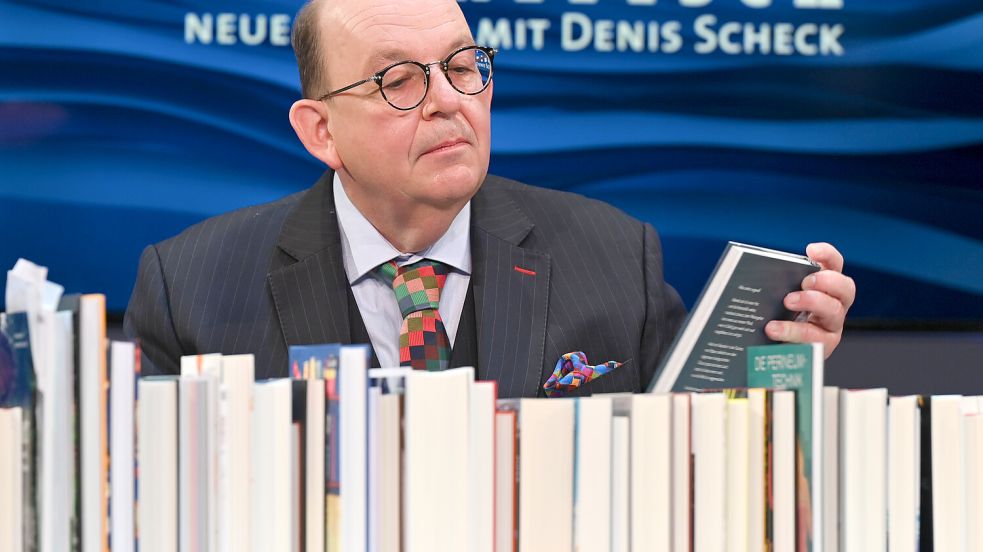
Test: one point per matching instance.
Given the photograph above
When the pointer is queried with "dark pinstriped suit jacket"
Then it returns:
(261, 278)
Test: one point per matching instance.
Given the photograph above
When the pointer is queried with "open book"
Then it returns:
(743, 294)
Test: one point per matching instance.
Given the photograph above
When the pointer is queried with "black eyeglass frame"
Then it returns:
(377, 77)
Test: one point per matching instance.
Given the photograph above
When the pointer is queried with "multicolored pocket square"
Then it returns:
(572, 371)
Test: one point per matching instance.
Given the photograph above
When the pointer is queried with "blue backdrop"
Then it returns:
(774, 122)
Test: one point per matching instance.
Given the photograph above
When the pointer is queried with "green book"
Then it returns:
(798, 367)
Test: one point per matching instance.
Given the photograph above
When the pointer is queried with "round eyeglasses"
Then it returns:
(405, 84)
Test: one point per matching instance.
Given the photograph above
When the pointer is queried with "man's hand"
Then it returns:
(827, 295)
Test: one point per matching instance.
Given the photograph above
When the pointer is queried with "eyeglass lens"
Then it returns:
(404, 85)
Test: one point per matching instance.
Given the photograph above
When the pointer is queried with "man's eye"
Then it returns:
(396, 84)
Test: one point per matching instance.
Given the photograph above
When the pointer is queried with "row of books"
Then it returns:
(55, 424)
(342, 457)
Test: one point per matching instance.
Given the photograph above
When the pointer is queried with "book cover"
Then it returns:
(298, 464)
(437, 465)
(157, 464)
(593, 454)
(70, 302)
(974, 479)
(620, 485)
(737, 490)
(831, 468)
(948, 446)
(352, 383)
(321, 361)
(709, 458)
(235, 400)
(760, 491)
(482, 461)
(799, 368)
(93, 404)
(124, 373)
(11, 479)
(18, 389)
(195, 435)
(863, 470)
(926, 514)
(209, 367)
(388, 476)
(385, 458)
(903, 477)
(682, 474)
(546, 433)
(306, 470)
(506, 478)
(786, 475)
(16, 365)
(651, 472)
(56, 446)
(270, 467)
(744, 293)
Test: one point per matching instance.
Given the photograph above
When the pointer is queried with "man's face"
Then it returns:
(434, 155)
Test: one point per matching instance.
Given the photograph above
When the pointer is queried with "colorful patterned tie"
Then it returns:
(423, 342)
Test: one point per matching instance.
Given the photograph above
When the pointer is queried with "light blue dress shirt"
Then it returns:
(363, 248)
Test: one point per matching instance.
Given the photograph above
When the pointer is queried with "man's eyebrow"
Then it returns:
(382, 58)
(385, 57)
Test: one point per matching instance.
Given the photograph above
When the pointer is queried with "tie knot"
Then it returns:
(417, 286)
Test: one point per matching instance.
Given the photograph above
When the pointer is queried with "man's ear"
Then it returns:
(310, 121)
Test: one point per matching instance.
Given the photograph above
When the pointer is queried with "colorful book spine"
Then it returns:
(799, 368)
(321, 361)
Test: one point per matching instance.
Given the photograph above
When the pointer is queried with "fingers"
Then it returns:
(834, 284)
(826, 295)
(803, 332)
(826, 255)
(824, 311)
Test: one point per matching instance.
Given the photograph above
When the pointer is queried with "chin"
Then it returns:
(456, 184)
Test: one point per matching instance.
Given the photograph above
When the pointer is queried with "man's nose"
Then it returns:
(441, 97)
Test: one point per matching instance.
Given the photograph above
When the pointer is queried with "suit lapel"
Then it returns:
(511, 287)
(510, 284)
(310, 288)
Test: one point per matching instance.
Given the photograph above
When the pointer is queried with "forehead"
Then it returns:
(375, 32)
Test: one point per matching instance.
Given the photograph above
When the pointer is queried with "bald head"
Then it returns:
(318, 20)
(408, 171)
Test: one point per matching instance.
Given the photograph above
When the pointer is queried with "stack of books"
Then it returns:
(55, 424)
(738, 448)
(341, 457)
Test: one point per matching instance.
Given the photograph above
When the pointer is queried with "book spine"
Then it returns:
(29, 497)
(926, 522)
(769, 476)
(75, 523)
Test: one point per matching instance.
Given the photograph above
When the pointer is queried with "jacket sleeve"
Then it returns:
(148, 318)
(664, 310)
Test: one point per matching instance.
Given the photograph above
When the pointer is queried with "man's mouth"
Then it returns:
(447, 146)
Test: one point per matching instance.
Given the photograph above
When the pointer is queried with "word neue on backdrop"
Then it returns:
(577, 31)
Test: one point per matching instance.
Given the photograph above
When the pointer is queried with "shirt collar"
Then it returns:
(364, 248)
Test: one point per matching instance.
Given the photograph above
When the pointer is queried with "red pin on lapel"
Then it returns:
(525, 271)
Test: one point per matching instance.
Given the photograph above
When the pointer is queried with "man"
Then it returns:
(525, 274)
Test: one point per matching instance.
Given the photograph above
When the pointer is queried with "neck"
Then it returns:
(409, 227)
(414, 234)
